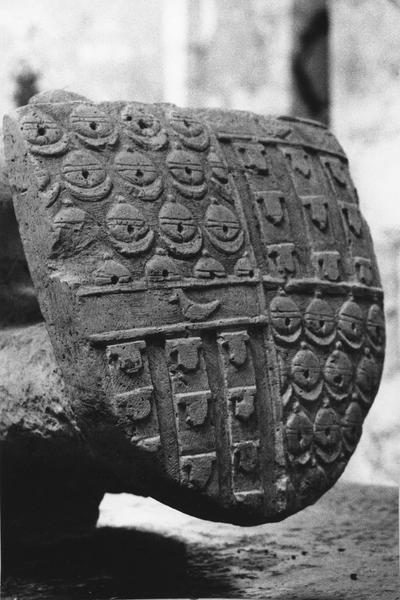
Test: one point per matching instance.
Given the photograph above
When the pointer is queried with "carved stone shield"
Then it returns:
(211, 292)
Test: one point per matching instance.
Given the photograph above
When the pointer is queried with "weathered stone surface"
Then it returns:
(211, 293)
(50, 481)
(33, 392)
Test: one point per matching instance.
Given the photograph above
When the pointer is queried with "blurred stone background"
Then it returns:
(237, 54)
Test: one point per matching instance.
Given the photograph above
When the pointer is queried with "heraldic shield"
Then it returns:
(211, 292)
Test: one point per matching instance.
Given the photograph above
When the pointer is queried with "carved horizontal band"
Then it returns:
(176, 328)
(230, 136)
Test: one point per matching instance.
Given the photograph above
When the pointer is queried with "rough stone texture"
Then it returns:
(345, 546)
(211, 293)
(50, 482)
(33, 398)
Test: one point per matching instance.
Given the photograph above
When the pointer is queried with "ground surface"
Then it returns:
(344, 547)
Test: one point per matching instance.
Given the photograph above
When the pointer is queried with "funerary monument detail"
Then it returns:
(210, 289)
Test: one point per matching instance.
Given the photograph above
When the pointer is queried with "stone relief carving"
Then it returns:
(220, 289)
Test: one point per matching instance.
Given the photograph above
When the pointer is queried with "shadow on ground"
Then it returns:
(344, 546)
(110, 563)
